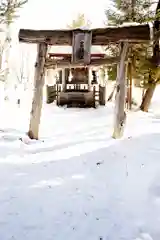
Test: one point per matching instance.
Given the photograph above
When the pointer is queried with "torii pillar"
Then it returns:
(39, 80)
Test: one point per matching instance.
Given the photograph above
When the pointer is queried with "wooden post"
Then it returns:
(38, 91)
(102, 95)
(130, 85)
(90, 79)
(120, 115)
(63, 81)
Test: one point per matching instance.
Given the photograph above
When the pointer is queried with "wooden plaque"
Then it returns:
(81, 47)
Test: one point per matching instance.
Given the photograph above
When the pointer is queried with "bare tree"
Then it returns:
(8, 13)
(22, 73)
(1, 60)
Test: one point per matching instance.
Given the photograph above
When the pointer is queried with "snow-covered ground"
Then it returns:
(77, 182)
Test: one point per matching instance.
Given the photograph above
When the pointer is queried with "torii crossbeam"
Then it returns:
(100, 36)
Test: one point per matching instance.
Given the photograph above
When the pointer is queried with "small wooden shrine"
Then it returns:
(75, 86)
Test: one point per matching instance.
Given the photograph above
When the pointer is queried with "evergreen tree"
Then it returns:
(143, 61)
(80, 22)
(9, 9)
(133, 11)
(125, 11)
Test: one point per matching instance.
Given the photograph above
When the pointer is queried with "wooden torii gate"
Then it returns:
(101, 36)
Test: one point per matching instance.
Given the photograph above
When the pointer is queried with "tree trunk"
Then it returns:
(38, 92)
(156, 55)
(111, 94)
(120, 115)
(146, 101)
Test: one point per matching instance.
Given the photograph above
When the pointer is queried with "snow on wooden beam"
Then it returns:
(100, 36)
(94, 62)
